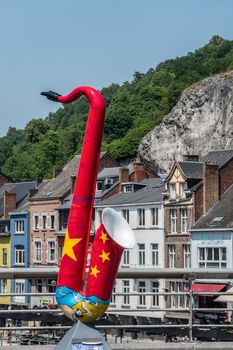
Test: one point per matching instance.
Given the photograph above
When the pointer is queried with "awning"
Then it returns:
(225, 298)
(207, 287)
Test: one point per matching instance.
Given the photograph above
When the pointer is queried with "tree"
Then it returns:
(36, 129)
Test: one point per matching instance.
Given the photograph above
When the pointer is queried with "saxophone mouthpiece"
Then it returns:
(51, 95)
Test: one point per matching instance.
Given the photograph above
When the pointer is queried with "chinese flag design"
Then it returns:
(105, 259)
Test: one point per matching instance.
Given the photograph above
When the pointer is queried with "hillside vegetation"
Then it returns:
(133, 109)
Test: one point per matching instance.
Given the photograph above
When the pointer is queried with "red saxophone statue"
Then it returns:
(110, 239)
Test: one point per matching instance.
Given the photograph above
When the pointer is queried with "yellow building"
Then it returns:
(5, 256)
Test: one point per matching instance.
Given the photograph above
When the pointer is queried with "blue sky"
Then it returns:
(59, 45)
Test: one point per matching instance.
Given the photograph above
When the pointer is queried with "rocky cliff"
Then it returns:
(201, 121)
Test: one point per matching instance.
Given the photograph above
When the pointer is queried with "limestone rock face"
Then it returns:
(201, 121)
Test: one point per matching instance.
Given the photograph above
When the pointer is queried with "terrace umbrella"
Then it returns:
(224, 297)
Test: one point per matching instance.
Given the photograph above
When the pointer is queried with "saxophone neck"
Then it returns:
(94, 96)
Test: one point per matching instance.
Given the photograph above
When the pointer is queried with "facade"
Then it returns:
(19, 228)
(212, 245)
(142, 207)
(11, 195)
(193, 188)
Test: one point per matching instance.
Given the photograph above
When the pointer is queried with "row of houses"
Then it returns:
(181, 220)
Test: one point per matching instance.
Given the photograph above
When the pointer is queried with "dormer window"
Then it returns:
(99, 186)
(172, 191)
(128, 188)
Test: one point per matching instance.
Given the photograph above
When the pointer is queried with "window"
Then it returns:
(187, 256)
(173, 220)
(213, 257)
(19, 255)
(154, 216)
(141, 254)
(126, 257)
(125, 213)
(171, 255)
(51, 251)
(172, 191)
(184, 220)
(141, 217)
(4, 227)
(19, 226)
(128, 188)
(52, 222)
(100, 216)
(126, 289)
(155, 254)
(36, 222)
(4, 256)
(179, 301)
(37, 251)
(99, 186)
(60, 250)
(217, 220)
(64, 219)
(44, 222)
(3, 285)
(142, 289)
(89, 250)
(39, 286)
(19, 287)
(155, 289)
(182, 190)
(51, 285)
(113, 297)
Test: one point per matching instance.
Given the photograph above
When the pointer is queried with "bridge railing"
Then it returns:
(188, 275)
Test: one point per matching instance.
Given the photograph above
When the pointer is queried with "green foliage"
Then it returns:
(133, 109)
(35, 130)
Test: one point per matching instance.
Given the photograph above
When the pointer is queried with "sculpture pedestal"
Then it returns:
(82, 337)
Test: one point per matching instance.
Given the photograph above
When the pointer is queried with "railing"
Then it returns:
(188, 275)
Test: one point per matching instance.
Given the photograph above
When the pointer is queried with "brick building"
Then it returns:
(193, 187)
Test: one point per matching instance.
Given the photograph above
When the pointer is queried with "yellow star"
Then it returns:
(69, 245)
(104, 237)
(104, 256)
(94, 271)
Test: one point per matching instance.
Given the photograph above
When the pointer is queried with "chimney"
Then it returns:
(39, 180)
(72, 183)
(123, 177)
(210, 185)
(32, 192)
(191, 158)
(9, 203)
(56, 172)
(139, 172)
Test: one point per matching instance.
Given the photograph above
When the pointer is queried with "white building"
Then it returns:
(141, 205)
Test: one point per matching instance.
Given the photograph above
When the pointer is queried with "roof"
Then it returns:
(220, 215)
(24, 205)
(113, 172)
(220, 157)
(108, 172)
(192, 170)
(21, 190)
(67, 202)
(152, 192)
(60, 186)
